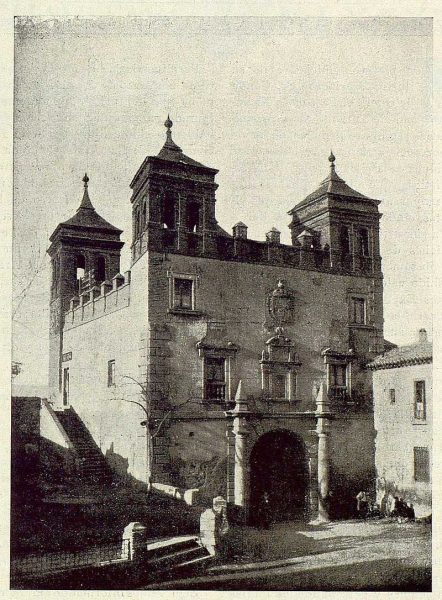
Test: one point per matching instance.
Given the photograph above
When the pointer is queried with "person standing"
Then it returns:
(362, 504)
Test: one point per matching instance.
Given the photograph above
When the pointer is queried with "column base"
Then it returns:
(319, 521)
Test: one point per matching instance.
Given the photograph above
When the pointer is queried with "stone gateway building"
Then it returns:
(249, 355)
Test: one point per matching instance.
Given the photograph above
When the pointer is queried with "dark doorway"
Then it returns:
(279, 468)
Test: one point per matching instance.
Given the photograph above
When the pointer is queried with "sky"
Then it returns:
(261, 99)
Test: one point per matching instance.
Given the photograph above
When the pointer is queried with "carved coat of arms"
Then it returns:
(280, 304)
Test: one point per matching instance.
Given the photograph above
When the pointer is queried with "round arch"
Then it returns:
(279, 469)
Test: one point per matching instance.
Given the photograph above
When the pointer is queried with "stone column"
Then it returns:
(322, 429)
(312, 453)
(241, 432)
(230, 462)
(240, 467)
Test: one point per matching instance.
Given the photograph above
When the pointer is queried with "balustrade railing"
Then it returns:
(215, 391)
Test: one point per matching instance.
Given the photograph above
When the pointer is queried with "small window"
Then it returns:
(111, 373)
(420, 408)
(421, 464)
(392, 395)
(214, 379)
(66, 386)
(358, 311)
(183, 293)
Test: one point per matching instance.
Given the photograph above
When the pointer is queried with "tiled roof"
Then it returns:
(171, 151)
(333, 184)
(86, 216)
(413, 354)
(89, 218)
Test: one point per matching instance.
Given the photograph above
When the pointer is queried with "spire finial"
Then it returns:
(168, 124)
(332, 158)
(86, 202)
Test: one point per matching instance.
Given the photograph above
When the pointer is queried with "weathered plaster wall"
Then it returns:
(120, 336)
(398, 432)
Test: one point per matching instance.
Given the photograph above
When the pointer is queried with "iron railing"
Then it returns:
(40, 564)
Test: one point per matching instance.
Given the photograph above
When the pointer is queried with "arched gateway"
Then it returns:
(279, 467)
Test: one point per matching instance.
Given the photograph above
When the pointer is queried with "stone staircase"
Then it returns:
(179, 556)
(93, 465)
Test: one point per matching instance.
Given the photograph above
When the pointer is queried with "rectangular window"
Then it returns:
(392, 395)
(215, 379)
(338, 376)
(358, 312)
(66, 386)
(421, 464)
(183, 293)
(110, 373)
(420, 408)
(279, 386)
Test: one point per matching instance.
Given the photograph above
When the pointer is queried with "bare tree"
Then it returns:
(153, 422)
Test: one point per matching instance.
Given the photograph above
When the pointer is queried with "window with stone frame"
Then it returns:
(279, 365)
(420, 408)
(358, 311)
(214, 379)
(183, 293)
(338, 366)
(421, 464)
(217, 353)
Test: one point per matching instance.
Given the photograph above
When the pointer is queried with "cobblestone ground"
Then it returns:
(349, 555)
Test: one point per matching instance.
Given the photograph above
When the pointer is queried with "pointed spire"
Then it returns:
(86, 202)
(169, 144)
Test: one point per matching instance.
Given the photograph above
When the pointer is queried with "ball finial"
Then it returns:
(85, 179)
(168, 123)
(331, 158)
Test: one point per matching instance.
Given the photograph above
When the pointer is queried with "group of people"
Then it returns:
(391, 507)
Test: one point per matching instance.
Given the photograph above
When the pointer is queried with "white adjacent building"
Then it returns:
(402, 388)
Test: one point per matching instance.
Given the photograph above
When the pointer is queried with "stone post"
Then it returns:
(134, 542)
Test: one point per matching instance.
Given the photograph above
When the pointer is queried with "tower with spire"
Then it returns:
(173, 203)
(85, 248)
(343, 219)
